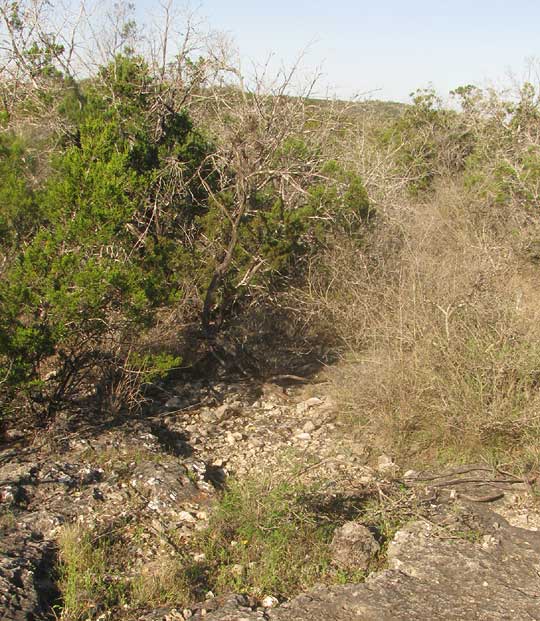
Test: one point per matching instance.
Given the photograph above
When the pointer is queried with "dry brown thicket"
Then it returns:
(437, 312)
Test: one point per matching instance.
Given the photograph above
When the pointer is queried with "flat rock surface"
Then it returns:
(26, 583)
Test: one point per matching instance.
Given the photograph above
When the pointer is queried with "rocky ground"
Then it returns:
(460, 555)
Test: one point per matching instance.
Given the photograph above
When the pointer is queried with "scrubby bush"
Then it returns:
(107, 254)
(138, 213)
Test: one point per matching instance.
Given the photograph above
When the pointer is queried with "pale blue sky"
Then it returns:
(387, 47)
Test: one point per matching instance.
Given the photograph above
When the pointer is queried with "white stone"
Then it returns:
(154, 505)
(269, 602)
(301, 408)
(237, 569)
(385, 465)
(365, 480)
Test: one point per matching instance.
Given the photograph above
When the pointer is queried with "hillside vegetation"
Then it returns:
(160, 203)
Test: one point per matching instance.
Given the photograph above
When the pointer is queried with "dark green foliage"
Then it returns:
(19, 211)
(106, 255)
(341, 199)
(272, 224)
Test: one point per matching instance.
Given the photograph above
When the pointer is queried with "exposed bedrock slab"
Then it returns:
(27, 588)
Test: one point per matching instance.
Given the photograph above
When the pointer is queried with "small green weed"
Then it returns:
(8, 520)
(389, 511)
(468, 534)
(87, 581)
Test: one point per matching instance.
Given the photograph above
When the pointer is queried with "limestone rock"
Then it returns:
(304, 406)
(269, 602)
(309, 427)
(353, 547)
(26, 569)
(174, 403)
(386, 466)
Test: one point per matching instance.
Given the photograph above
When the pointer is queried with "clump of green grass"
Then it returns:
(87, 582)
(97, 574)
(266, 538)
